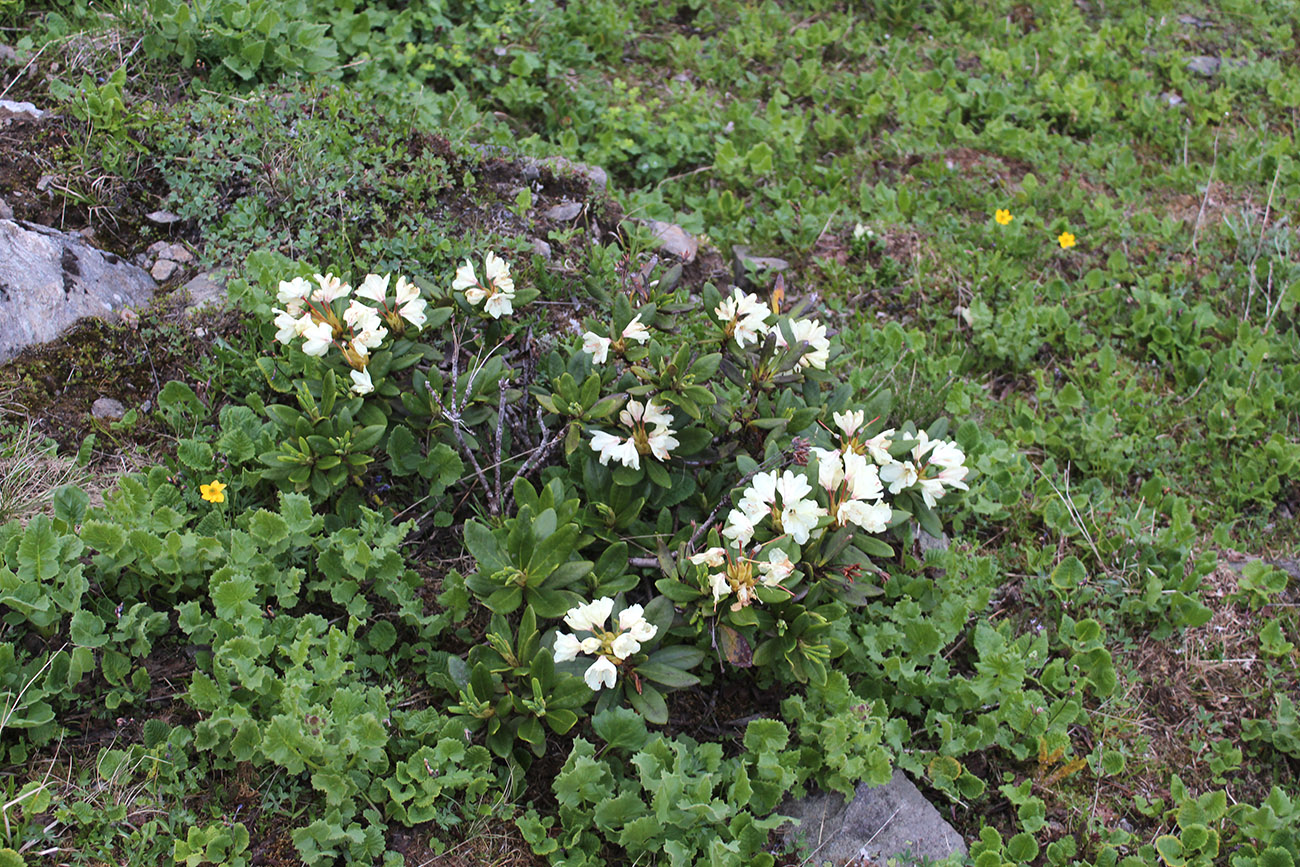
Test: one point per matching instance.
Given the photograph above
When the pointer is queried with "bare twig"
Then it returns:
(1209, 183)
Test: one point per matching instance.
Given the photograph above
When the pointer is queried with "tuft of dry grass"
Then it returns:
(30, 471)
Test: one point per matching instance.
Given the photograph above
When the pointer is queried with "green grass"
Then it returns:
(1131, 403)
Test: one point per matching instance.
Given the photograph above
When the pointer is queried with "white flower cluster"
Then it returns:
(851, 481)
(498, 291)
(744, 319)
(945, 468)
(736, 574)
(598, 347)
(657, 440)
(784, 500)
(309, 312)
(610, 647)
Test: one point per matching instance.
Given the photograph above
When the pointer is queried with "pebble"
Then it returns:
(163, 270)
(564, 212)
(107, 409)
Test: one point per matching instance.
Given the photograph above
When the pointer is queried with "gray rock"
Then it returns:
(1204, 65)
(178, 253)
(162, 218)
(7, 54)
(563, 212)
(9, 108)
(107, 409)
(930, 543)
(742, 262)
(674, 240)
(6, 212)
(163, 270)
(206, 290)
(596, 177)
(893, 821)
(49, 280)
(541, 248)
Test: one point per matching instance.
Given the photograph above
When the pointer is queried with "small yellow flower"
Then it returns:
(1066, 240)
(1002, 216)
(213, 492)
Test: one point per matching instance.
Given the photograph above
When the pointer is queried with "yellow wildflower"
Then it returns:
(1066, 240)
(213, 492)
(1002, 216)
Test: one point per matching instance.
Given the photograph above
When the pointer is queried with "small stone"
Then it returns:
(205, 290)
(674, 240)
(742, 262)
(88, 233)
(8, 108)
(162, 218)
(7, 54)
(929, 543)
(6, 212)
(1171, 98)
(1206, 66)
(1194, 21)
(541, 248)
(163, 270)
(156, 248)
(178, 253)
(563, 212)
(107, 409)
(43, 183)
(893, 822)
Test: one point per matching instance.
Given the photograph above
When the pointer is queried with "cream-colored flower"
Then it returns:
(636, 330)
(776, 569)
(899, 475)
(601, 673)
(361, 382)
(849, 422)
(330, 289)
(596, 346)
(374, 288)
(591, 616)
(317, 338)
(712, 557)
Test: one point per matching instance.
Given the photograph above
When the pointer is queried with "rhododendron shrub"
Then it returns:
(674, 478)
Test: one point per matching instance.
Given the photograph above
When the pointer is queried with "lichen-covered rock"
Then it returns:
(50, 279)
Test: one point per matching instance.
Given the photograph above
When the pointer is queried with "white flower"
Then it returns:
(413, 312)
(720, 586)
(362, 317)
(465, 281)
(661, 442)
(361, 383)
(792, 487)
(923, 446)
(596, 346)
(746, 315)
(953, 477)
(859, 230)
(758, 498)
(331, 288)
(862, 478)
(739, 527)
(622, 450)
(498, 274)
(406, 291)
(777, 568)
(624, 646)
(878, 447)
(374, 288)
(498, 305)
(288, 325)
(799, 519)
(590, 616)
(317, 338)
(713, 557)
(632, 620)
(830, 468)
(567, 647)
(601, 673)
(635, 330)
(291, 291)
(931, 490)
(813, 333)
(899, 475)
(372, 337)
(849, 422)
(947, 454)
(872, 517)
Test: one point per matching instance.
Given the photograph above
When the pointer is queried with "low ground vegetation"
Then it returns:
(479, 529)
